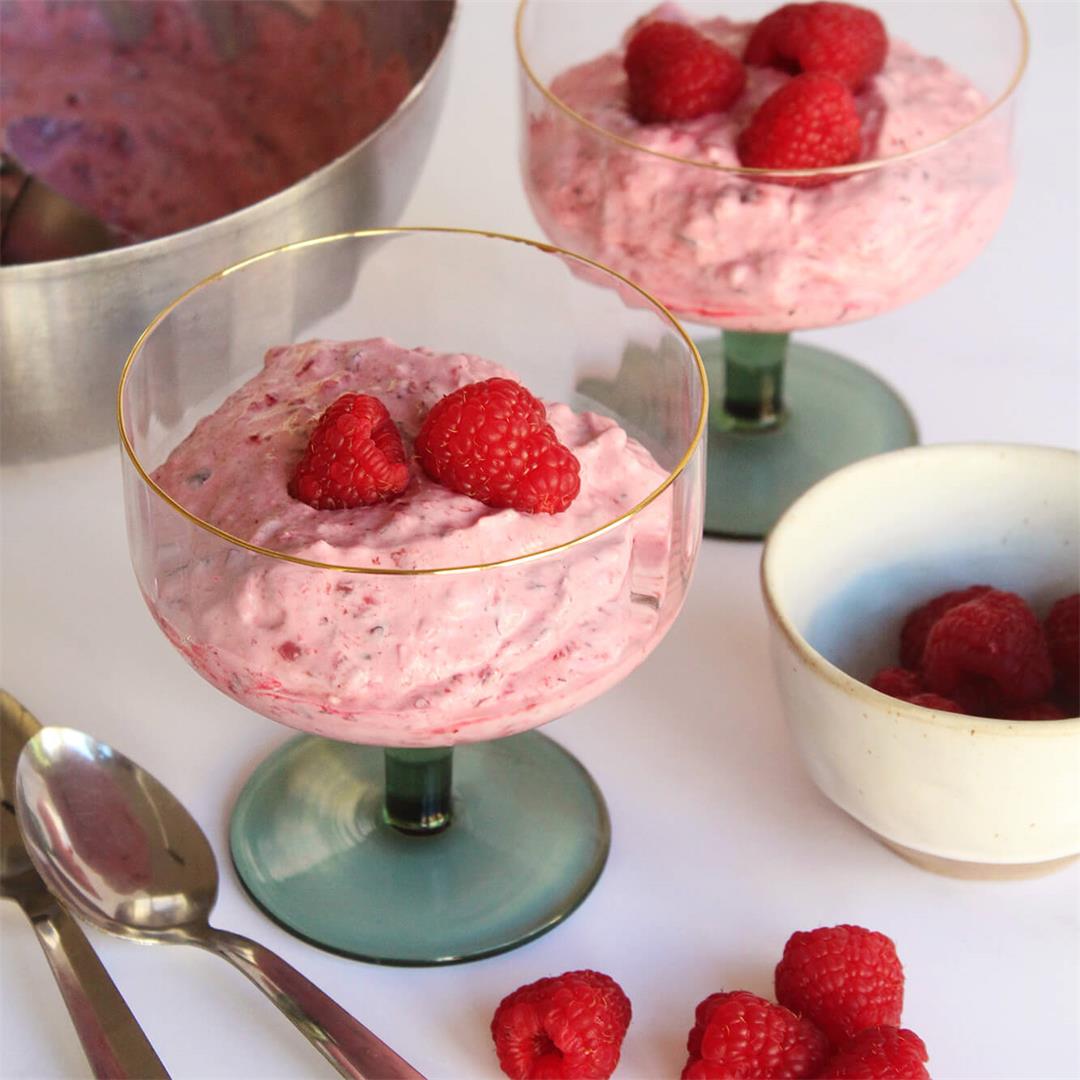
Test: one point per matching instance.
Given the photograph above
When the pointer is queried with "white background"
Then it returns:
(722, 847)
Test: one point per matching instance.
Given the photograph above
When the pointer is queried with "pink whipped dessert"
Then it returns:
(723, 248)
(181, 125)
(416, 659)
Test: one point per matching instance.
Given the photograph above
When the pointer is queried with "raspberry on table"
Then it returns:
(898, 682)
(917, 625)
(880, 1053)
(809, 123)
(995, 641)
(491, 440)
(740, 1034)
(1062, 627)
(842, 978)
(354, 457)
(562, 1028)
(842, 40)
(677, 73)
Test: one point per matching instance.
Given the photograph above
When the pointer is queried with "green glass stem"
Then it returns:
(750, 369)
(417, 799)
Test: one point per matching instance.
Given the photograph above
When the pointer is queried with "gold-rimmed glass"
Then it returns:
(730, 247)
(368, 835)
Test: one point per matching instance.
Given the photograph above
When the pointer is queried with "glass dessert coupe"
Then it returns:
(420, 820)
(669, 206)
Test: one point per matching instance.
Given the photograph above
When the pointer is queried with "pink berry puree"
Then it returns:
(722, 248)
(170, 130)
(406, 660)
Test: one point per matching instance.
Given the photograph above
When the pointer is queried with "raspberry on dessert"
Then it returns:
(880, 1053)
(994, 641)
(741, 1034)
(568, 1026)
(1062, 626)
(809, 123)
(676, 73)
(936, 701)
(843, 978)
(897, 682)
(354, 457)
(842, 40)
(917, 625)
(1039, 710)
(772, 42)
(491, 440)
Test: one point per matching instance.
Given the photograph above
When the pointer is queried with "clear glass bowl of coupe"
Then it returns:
(760, 253)
(418, 640)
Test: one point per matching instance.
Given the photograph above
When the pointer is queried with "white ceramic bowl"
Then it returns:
(842, 568)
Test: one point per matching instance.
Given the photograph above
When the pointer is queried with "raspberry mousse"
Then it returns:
(416, 659)
(727, 248)
(171, 130)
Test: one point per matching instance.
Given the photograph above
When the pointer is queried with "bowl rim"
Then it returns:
(758, 173)
(693, 447)
(117, 257)
(852, 687)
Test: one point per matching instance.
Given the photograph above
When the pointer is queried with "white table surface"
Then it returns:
(722, 847)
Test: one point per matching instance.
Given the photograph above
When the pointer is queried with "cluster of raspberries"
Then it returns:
(811, 122)
(983, 652)
(489, 440)
(840, 991)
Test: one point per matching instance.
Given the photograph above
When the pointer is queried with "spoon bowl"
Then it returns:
(121, 851)
(150, 874)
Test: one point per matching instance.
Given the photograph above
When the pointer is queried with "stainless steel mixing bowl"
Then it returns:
(67, 325)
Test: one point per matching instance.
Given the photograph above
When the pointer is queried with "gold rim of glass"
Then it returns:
(531, 556)
(747, 171)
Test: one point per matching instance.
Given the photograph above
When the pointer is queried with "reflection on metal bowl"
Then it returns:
(67, 325)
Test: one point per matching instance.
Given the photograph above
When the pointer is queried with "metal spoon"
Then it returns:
(123, 853)
(114, 1044)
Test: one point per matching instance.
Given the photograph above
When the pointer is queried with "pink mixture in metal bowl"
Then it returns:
(179, 127)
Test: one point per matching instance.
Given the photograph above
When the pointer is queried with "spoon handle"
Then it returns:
(115, 1045)
(353, 1050)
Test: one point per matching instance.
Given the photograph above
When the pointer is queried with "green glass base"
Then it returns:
(529, 836)
(836, 412)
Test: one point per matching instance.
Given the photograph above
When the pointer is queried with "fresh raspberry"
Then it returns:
(897, 682)
(354, 457)
(491, 440)
(1062, 627)
(937, 701)
(773, 41)
(675, 73)
(1040, 710)
(994, 641)
(843, 978)
(880, 1053)
(908, 686)
(740, 1034)
(917, 625)
(809, 123)
(841, 40)
(562, 1028)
